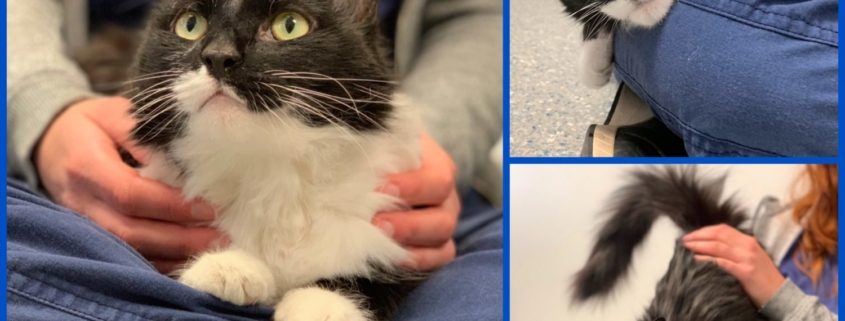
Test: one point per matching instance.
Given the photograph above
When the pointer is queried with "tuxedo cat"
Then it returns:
(689, 290)
(283, 115)
(600, 18)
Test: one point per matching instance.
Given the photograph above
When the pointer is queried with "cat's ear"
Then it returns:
(364, 12)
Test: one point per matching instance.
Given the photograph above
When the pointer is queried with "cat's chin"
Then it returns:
(223, 103)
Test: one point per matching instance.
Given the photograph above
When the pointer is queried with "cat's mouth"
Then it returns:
(223, 97)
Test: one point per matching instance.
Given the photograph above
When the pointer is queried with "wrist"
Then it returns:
(768, 290)
(30, 113)
(36, 148)
(782, 302)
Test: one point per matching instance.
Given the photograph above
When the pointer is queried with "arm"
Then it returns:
(742, 256)
(42, 80)
(58, 128)
(451, 63)
(790, 304)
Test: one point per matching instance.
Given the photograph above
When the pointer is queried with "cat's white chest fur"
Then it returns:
(296, 201)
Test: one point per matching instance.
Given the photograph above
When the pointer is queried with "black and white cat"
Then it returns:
(283, 115)
(599, 19)
(689, 290)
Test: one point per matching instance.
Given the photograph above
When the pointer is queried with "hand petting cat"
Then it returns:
(740, 255)
(425, 229)
(81, 169)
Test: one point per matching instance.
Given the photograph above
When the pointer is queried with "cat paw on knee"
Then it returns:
(231, 277)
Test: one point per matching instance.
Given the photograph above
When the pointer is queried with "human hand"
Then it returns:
(426, 229)
(741, 256)
(80, 166)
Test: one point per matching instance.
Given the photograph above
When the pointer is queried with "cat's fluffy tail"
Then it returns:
(676, 192)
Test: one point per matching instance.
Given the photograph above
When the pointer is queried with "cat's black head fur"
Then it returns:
(587, 12)
(343, 44)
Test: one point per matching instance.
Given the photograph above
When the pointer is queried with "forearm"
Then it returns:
(791, 304)
(456, 77)
(42, 79)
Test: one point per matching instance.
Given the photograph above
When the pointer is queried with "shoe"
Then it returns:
(650, 138)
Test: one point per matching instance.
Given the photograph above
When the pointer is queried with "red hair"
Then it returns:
(817, 211)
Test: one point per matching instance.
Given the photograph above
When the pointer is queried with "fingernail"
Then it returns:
(385, 227)
(391, 190)
(201, 211)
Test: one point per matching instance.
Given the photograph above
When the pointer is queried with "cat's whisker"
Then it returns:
(152, 76)
(346, 131)
(359, 100)
(375, 94)
(335, 99)
(150, 104)
(319, 76)
(279, 101)
(168, 123)
(587, 7)
(148, 119)
(310, 95)
(151, 90)
(254, 101)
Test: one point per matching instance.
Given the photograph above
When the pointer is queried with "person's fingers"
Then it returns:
(154, 238)
(715, 249)
(728, 266)
(173, 241)
(167, 266)
(114, 120)
(430, 258)
(133, 195)
(428, 185)
(117, 123)
(430, 226)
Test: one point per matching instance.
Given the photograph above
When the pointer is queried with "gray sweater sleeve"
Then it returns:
(42, 80)
(791, 304)
(455, 74)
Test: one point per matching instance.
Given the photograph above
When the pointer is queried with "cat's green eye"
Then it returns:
(289, 25)
(191, 26)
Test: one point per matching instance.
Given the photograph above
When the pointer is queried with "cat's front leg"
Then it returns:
(232, 275)
(318, 304)
(596, 60)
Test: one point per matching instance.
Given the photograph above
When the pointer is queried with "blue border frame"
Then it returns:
(5, 120)
(840, 162)
(507, 160)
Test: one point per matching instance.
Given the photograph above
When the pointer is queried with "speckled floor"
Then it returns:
(550, 110)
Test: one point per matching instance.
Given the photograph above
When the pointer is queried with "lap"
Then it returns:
(740, 77)
(61, 266)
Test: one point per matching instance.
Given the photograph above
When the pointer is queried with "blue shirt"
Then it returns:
(827, 283)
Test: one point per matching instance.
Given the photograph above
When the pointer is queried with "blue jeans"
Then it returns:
(740, 77)
(62, 266)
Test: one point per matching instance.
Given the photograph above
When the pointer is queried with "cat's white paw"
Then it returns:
(596, 61)
(316, 304)
(594, 78)
(643, 13)
(232, 276)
